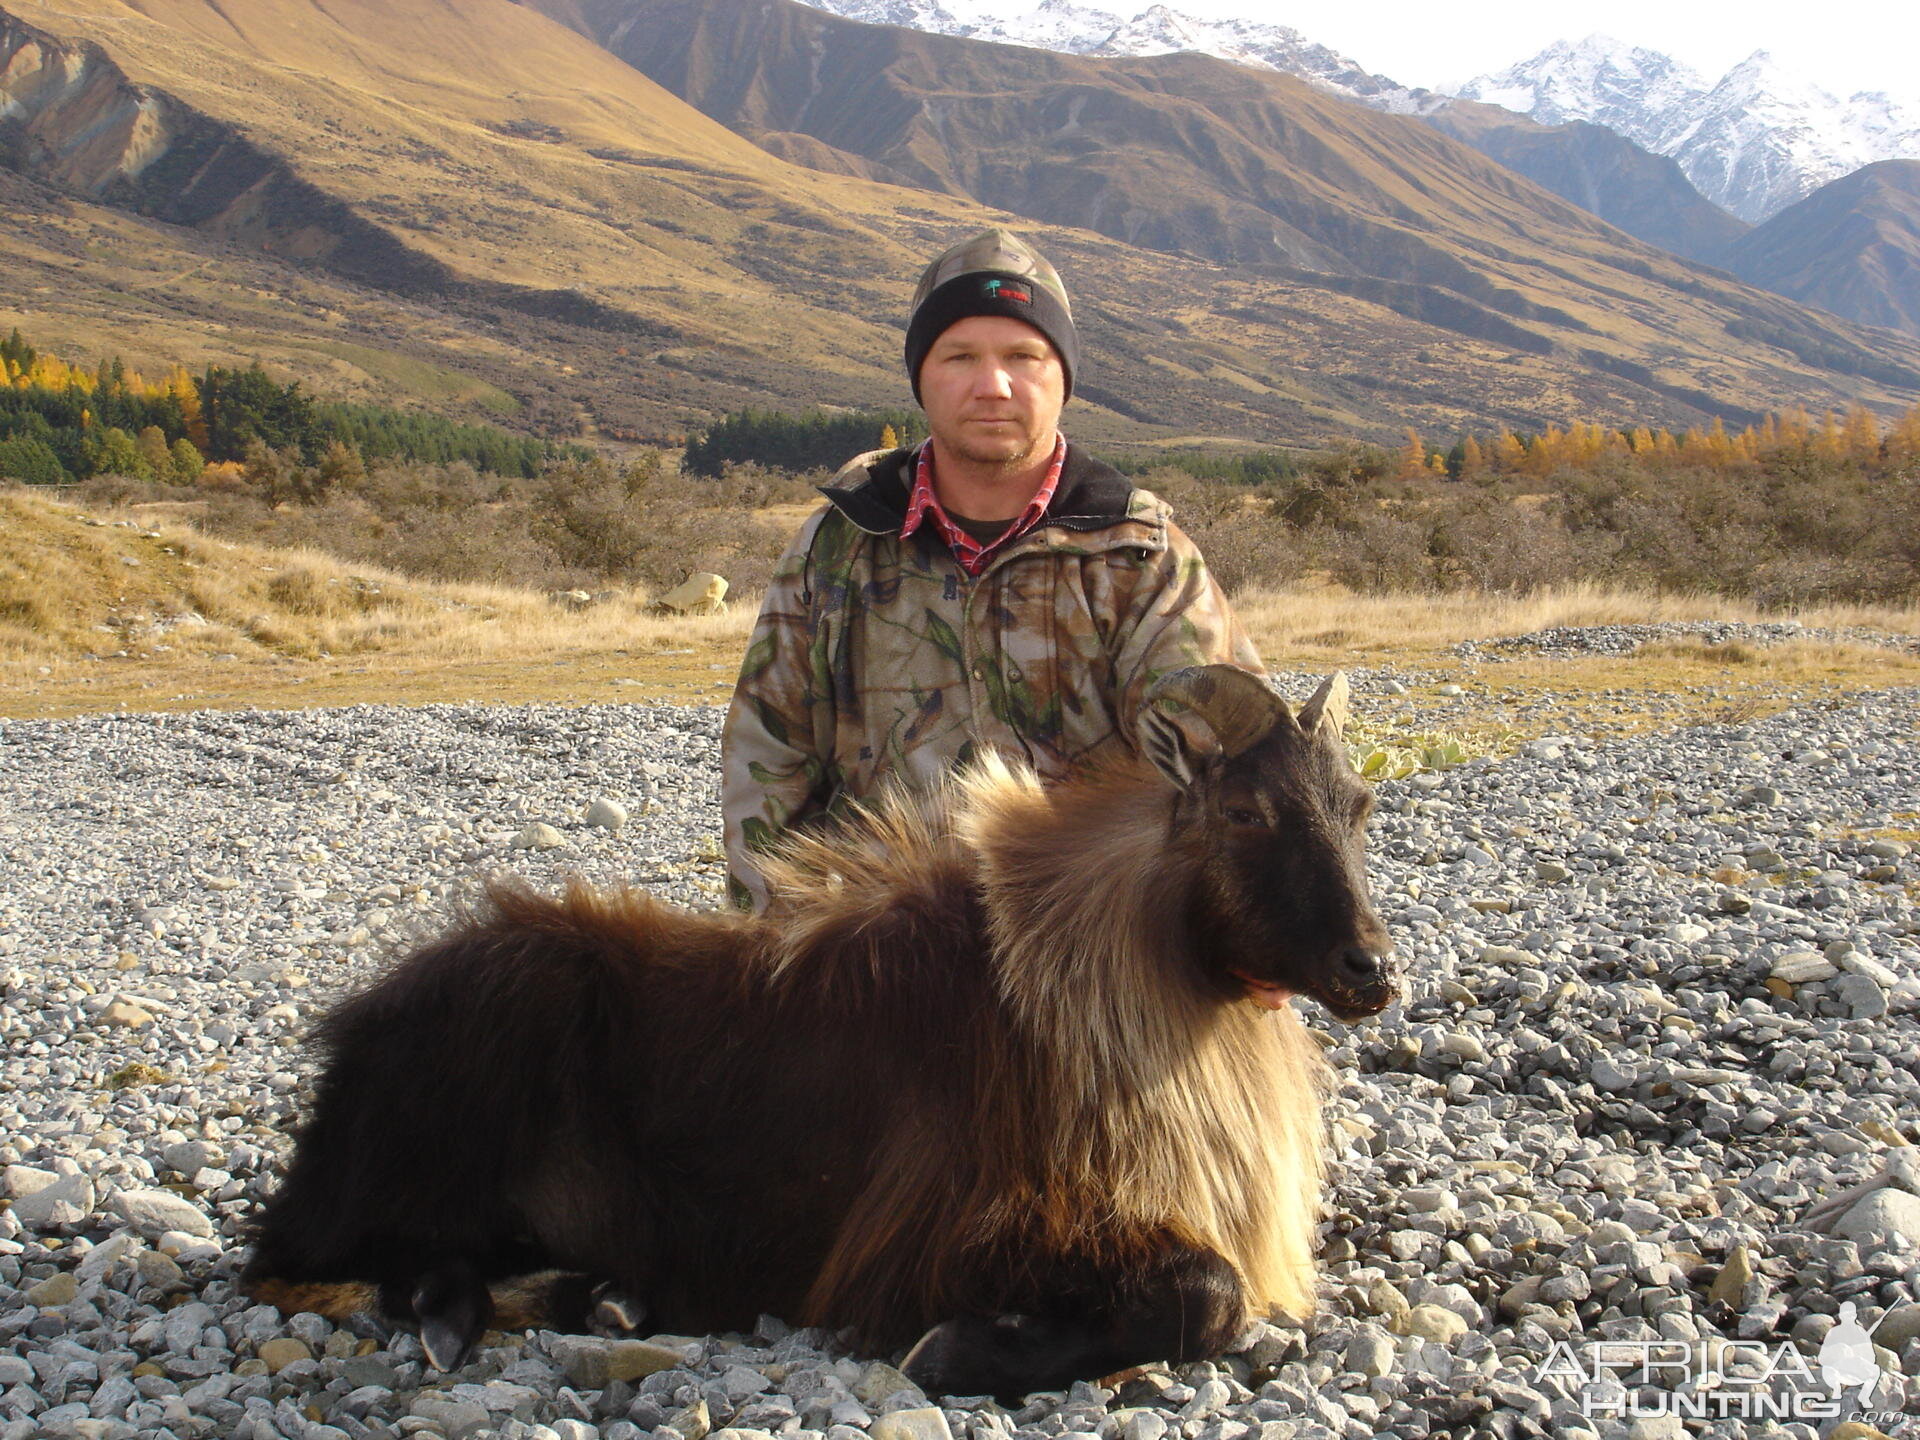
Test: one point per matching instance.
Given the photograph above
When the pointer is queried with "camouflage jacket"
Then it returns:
(876, 658)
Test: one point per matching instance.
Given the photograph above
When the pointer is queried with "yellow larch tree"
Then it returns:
(1509, 455)
(1472, 460)
(1411, 457)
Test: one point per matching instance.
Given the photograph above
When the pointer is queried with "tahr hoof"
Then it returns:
(1005, 1356)
(616, 1312)
(453, 1307)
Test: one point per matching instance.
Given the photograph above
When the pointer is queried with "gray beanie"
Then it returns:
(994, 273)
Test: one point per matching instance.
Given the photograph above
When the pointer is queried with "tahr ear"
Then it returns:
(1328, 707)
(1204, 713)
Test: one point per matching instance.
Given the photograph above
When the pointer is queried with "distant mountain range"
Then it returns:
(620, 217)
(1158, 30)
(1627, 133)
(1852, 247)
(1754, 142)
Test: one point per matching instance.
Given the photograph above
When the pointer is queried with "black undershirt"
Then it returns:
(983, 531)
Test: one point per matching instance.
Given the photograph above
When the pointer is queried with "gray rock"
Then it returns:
(607, 814)
(1610, 1074)
(364, 1371)
(455, 1419)
(155, 1212)
(1370, 1352)
(186, 1324)
(1797, 967)
(740, 1381)
(65, 1200)
(927, 1422)
(1897, 1327)
(1884, 1212)
(1862, 996)
(583, 1358)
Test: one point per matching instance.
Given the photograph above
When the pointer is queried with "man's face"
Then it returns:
(992, 388)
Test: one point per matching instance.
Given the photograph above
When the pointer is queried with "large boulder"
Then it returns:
(701, 594)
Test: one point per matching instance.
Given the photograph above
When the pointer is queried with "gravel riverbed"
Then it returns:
(1664, 1016)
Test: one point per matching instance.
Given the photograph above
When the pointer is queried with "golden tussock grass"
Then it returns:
(110, 610)
(1309, 624)
(74, 585)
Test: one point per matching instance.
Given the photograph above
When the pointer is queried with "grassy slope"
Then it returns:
(83, 631)
(777, 281)
(1191, 153)
(85, 281)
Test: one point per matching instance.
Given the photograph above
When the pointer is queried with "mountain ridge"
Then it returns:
(1592, 166)
(741, 279)
(1754, 141)
(1289, 179)
(1852, 247)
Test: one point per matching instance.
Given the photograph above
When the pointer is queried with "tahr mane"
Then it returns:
(1154, 1099)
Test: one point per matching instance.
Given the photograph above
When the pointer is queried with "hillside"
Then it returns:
(1196, 156)
(484, 208)
(1644, 194)
(1852, 247)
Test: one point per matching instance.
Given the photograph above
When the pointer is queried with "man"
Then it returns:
(992, 587)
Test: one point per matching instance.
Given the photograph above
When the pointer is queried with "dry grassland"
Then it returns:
(125, 611)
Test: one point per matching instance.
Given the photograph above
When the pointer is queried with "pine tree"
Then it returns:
(1719, 445)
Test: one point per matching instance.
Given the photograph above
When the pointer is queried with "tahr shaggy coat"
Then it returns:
(1007, 1070)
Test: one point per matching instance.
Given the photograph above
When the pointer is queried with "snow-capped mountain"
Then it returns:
(1083, 30)
(1161, 31)
(1754, 142)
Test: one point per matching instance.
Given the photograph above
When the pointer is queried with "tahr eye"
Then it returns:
(1244, 817)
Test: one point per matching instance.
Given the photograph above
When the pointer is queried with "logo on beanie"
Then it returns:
(1006, 290)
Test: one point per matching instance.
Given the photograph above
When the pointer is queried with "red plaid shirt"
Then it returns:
(971, 553)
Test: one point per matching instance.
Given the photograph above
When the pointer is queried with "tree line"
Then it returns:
(815, 440)
(63, 422)
(1854, 436)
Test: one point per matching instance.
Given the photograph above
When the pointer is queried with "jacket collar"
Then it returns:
(872, 491)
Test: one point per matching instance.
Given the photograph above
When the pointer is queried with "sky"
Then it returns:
(1855, 48)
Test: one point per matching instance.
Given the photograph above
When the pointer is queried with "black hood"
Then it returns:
(1091, 494)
